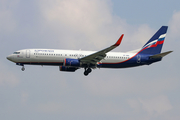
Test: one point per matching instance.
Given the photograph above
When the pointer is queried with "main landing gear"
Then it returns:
(87, 71)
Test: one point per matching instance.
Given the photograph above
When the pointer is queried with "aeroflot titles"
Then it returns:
(44, 50)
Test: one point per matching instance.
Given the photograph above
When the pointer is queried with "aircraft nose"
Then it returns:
(9, 57)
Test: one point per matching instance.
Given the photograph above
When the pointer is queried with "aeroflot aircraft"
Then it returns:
(71, 60)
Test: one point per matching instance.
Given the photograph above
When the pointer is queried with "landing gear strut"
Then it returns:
(23, 68)
(87, 71)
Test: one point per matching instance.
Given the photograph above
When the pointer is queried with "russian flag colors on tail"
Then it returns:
(154, 45)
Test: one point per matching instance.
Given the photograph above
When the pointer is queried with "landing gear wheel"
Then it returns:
(87, 71)
(23, 68)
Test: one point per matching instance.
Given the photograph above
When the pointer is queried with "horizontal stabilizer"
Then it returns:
(160, 55)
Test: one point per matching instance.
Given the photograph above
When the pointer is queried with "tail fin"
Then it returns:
(154, 45)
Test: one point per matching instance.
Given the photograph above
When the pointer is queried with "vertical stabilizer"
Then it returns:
(154, 45)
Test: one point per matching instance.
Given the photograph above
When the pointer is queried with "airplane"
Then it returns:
(71, 60)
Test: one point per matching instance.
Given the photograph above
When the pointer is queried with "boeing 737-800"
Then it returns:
(71, 60)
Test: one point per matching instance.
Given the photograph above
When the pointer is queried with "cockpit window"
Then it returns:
(16, 53)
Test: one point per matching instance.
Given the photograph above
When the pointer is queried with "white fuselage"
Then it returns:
(56, 56)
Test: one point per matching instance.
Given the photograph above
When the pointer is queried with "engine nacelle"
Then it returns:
(71, 62)
(67, 69)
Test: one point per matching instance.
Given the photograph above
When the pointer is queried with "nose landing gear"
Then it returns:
(20, 64)
(87, 71)
(23, 68)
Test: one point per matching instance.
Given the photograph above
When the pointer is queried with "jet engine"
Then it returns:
(71, 62)
(67, 69)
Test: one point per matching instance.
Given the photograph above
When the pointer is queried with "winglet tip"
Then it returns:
(119, 41)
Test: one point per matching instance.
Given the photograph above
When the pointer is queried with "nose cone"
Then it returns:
(10, 57)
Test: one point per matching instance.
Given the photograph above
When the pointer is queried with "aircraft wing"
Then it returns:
(98, 56)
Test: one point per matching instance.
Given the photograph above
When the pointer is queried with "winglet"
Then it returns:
(119, 41)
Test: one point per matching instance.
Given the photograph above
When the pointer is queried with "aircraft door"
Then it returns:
(27, 53)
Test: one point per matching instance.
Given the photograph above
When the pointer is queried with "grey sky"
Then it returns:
(43, 93)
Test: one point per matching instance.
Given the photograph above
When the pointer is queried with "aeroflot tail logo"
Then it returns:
(154, 43)
(44, 50)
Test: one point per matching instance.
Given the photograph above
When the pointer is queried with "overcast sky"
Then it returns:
(44, 93)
